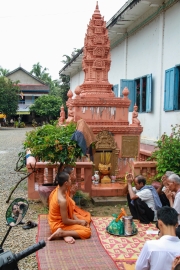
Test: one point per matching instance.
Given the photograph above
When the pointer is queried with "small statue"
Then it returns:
(70, 114)
(135, 120)
(62, 116)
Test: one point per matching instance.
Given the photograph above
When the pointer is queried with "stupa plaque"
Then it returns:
(130, 146)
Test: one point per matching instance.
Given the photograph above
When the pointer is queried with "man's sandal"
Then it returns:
(29, 225)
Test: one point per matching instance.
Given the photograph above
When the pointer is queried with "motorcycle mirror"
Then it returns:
(16, 211)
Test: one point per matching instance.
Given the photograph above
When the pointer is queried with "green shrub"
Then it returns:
(167, 154)
(53, 143)
(16, 124)
(34, 123)
(21, 125)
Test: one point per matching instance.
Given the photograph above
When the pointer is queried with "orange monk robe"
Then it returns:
(55, 219)
(81, 213)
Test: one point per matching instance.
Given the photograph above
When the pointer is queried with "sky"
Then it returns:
(43, 31)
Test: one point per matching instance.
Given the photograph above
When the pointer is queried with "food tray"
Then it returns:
(123, 235)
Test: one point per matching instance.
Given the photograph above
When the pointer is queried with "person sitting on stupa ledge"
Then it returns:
(135, 120)
(62, 116)
(143, 200)
(70, 115)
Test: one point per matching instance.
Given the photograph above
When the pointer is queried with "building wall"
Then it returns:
(135, 57)
(23, 78)
(171, 58)
(76, 80)
(153, 49)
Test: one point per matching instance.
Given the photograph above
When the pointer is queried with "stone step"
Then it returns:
(102, 201)
(106, 190)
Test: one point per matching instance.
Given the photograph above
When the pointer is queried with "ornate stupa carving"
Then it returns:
(93, 100)
(96, 61)
(62, 116)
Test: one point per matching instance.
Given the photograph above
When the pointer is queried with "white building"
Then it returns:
(145, 54)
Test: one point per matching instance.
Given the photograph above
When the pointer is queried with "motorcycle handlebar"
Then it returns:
(19, 256)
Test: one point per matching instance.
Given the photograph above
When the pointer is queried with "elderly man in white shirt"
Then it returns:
(159, 254)
(161, 189)
(143, 200)
(173, 194)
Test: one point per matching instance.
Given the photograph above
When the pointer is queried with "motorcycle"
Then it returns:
(14, 215)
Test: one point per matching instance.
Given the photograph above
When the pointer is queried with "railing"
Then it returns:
(145, 168)
(146, 151)
(144, 154)
(44, 173)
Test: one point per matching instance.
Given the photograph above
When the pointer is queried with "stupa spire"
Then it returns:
(97, 9)
(96, 60)
(97, 14)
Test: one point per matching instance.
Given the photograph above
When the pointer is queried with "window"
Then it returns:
(172, 89)
(140, 92)
(115, 89)
(22, 99)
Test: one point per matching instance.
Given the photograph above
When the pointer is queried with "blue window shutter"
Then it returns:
(130, 84)
(169, 89)
(176, 88)
(115, 89)
(149, 93)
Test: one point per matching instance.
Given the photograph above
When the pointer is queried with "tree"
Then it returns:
(43, 75)
(167, 153)
(67, 60)
(3, 71)
(58, 88)
(47, 106)
(64, 87)
(38, 71)
(9, 96)
(55, 88)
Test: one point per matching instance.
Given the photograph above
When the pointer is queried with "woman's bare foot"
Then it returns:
(57, 234)
(69, 239)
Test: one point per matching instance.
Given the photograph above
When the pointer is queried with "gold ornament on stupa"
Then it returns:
(105, 166)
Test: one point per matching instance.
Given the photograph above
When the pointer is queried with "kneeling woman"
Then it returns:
(62, 219)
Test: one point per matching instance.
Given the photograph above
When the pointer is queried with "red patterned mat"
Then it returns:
(123, 250)
(84, 254)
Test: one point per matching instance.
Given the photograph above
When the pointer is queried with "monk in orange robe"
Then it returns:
(80, 213)
(62, 218)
